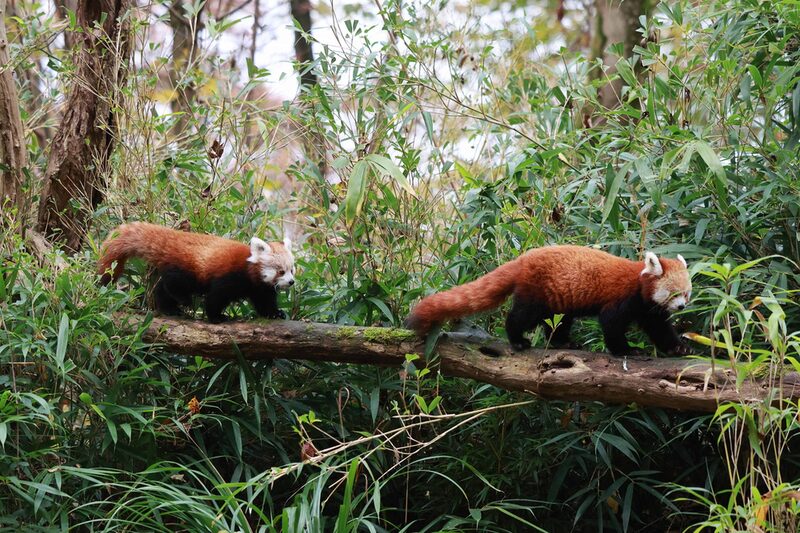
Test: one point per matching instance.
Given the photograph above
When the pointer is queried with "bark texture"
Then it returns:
(79, 152)
(301, 12)
(13, 149)
(554, 374)
(184, 52)
(616, 22)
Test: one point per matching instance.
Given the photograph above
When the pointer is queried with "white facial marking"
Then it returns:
(661, 296)
(268, 273)
(652, 265)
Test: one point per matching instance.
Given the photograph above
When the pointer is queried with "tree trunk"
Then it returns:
(79, 153)
(314, 144)
(63, 7)
(13, 149)
(301, 12)
(554, 374)
(616, 22)
(184, 50)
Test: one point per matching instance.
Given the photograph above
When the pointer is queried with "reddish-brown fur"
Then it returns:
(567, 279)
(205, 256)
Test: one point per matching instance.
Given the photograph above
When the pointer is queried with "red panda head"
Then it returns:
(666, 282)
(274, 262)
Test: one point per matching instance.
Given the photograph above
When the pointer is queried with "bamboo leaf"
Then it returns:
(356, 191)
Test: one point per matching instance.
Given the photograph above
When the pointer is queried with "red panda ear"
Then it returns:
(258, 249)
(682, 260)
(287, 243)
(652, 265)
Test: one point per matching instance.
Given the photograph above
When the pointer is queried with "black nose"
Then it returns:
(291, 282)
(680, 307)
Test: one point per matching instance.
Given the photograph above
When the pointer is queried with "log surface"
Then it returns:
(677, 383)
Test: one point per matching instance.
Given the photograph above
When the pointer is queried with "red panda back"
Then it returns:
(569, 278)
(203, 255)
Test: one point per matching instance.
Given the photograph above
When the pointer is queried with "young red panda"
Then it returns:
(573, 281)
(194, 263)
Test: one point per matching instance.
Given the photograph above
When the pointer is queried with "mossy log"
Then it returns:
(677, 383)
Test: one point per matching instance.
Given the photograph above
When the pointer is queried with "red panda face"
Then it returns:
(666, 282)
(274, 260)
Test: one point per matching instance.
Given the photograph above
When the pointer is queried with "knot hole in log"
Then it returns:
(488, 350)
(559, 361)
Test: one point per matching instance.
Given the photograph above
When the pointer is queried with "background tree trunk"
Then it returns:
(79, 152)
(301, 12)
(13, 149)
(555, 374)
(314, 144)
(616, 21)
(184, 50)
(62, 13)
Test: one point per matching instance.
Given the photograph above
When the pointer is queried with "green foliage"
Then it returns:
(448, 150)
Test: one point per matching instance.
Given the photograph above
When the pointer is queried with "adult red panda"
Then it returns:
(573, 281)
(194, 263)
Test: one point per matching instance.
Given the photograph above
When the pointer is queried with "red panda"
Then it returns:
(574, 281)
(194, 263)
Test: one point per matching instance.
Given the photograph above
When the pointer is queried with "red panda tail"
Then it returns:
(486, 292)
(121, 245)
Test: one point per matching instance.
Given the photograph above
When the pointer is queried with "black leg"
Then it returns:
(179, 284)
(660, 331)
(164, 302)
(523, 317)
(615, 322)
(265, 302)
(217, 299)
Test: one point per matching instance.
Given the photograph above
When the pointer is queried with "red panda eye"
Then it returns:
(281, 272)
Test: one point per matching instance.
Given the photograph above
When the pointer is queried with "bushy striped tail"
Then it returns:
(486, 292)
(119, 247)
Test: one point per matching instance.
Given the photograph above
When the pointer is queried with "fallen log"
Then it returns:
(677, 383)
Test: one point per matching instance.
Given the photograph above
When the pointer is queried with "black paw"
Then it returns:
(278, 315)
(681, 349)
(518, 346)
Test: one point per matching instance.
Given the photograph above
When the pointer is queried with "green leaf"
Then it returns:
(112, 430)
(374, 403)
(345, 509)
(426, 117)
(710, 157)
(385, 166)
(356, 191)
(626, 72)
(63, 340)
(423, 405)
(383, 307)
(612, 191)
(626, 507)
(237, 438)
(755, 75)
